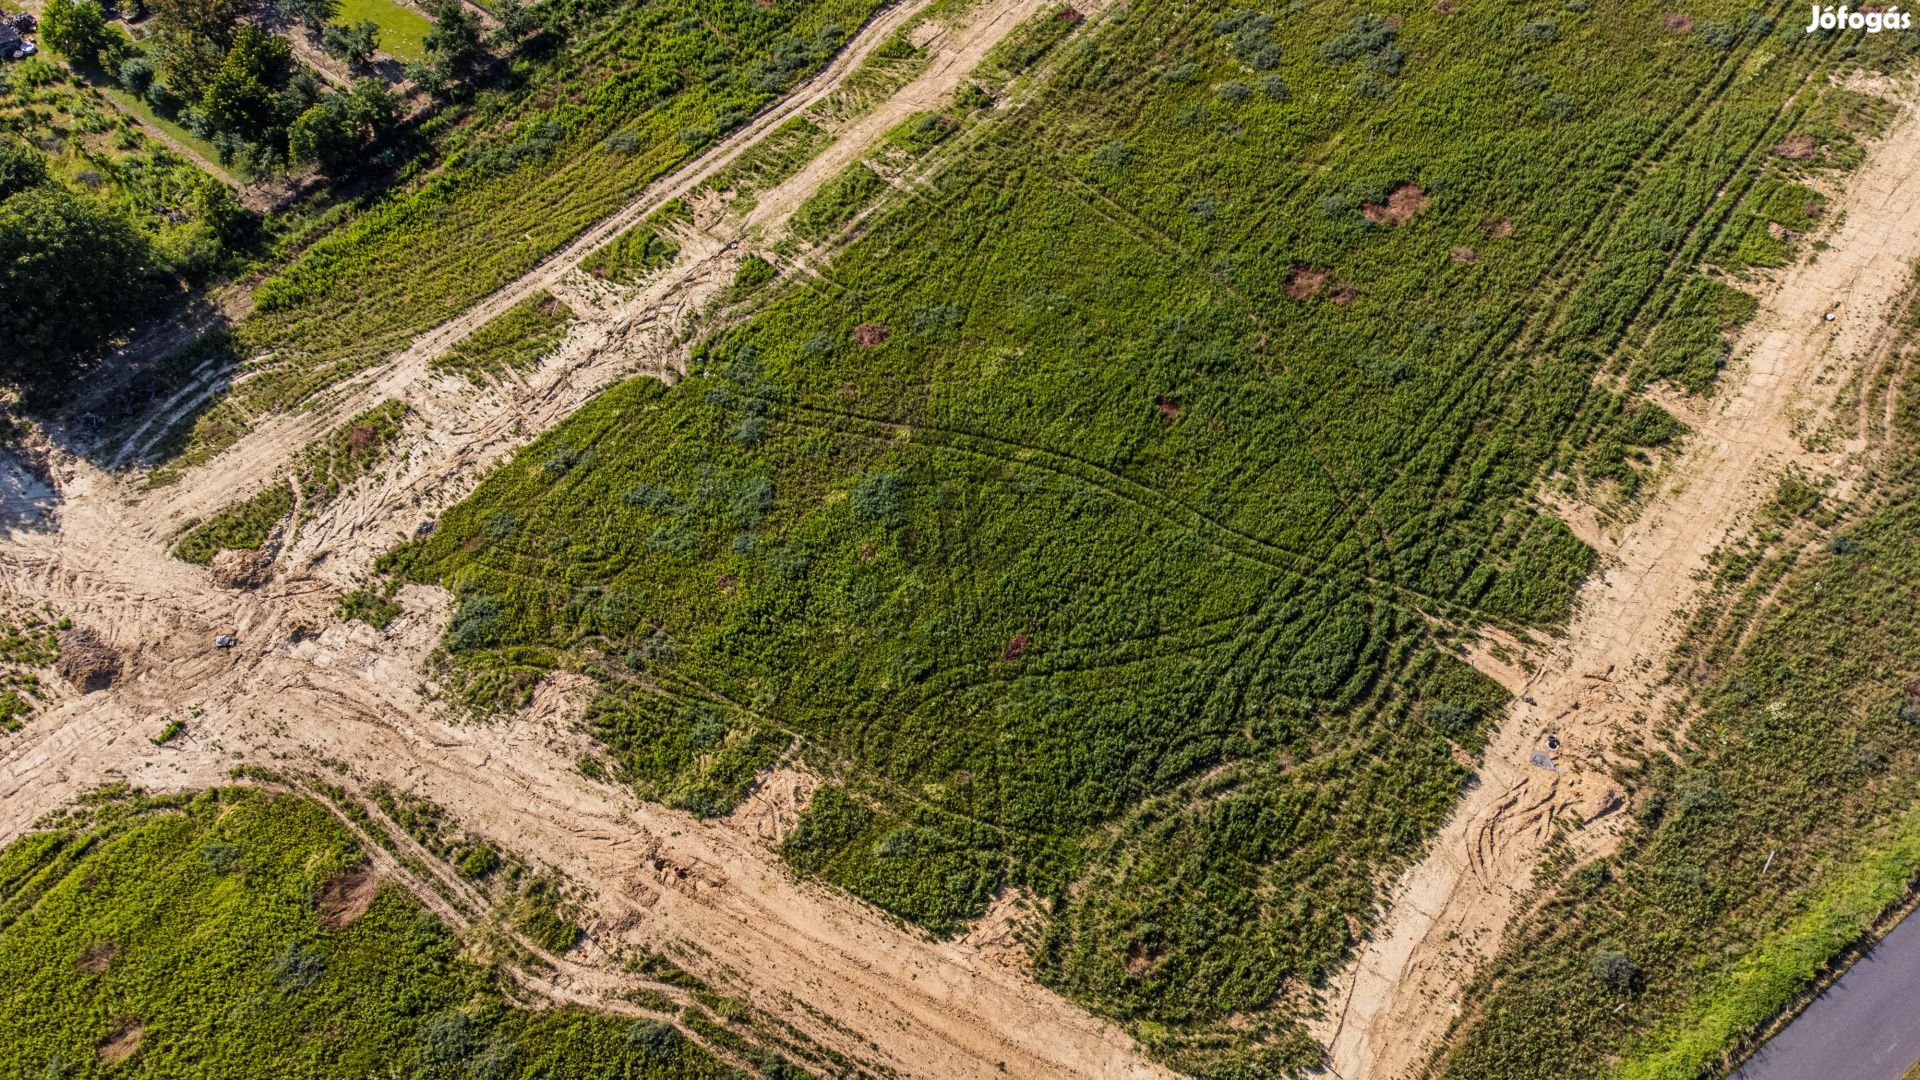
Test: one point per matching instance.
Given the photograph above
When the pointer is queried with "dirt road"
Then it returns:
(350, 701)
(1393, 1004)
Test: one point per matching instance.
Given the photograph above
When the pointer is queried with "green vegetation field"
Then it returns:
(557, 143)
(1104, 523)
(403, 31)
(1784, 828)
(191, 936)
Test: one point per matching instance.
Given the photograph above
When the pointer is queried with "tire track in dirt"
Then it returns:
(1389, 1011)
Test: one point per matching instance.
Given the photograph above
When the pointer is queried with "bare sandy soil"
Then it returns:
(1605, 680)
(302, 690)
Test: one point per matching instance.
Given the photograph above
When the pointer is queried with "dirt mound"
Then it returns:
(239, 568)
(98, 957)
(1303, 283)
(123, 1043)
(346, 896)
(772, 809)
(1403, 203)
(1497, 227)
(86, 660)
(870, 334)
(1344, 294)
(1678, 24)
(1464, 256)
(1797, 147)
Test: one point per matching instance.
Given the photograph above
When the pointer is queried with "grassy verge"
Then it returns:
(838, 202)
(207, 934)
(349, 452)
(520, 337)
(1848, 900)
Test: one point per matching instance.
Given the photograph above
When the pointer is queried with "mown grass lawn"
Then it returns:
(403, 31)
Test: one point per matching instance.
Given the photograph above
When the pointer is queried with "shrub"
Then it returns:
(1613, 970)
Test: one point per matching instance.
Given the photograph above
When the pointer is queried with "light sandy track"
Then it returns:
(95, 551)
(1389, 1010)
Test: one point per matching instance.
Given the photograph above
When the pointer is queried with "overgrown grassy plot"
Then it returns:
(564, 143)
(1101, 523)
(196, 935)
(519, 338)
(1802, 750)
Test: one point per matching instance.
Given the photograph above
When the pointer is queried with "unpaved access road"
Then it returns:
(351, 702)
(1391, 1007)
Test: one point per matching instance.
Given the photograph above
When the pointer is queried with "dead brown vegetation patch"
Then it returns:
(1677, 23)
(1070, 16)
(346, 896)
(1497, 227)
(123, 1043)
(1464, 256)
(98, 956)
(86, 660)
(870, 334)
(1797, 147)
(240, 568)
(1016, 646)
(1141, 956)
(1444, 7)
(1344, 294)
(1403, 202)
(1304, 282)
(1169, 408)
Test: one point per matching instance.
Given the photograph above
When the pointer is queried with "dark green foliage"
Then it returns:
(21, 167)
(754, 272)
(73, 275)
(77, 28)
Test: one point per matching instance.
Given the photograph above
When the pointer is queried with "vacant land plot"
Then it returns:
(1085, 551)
(207, 934)
(403, 31)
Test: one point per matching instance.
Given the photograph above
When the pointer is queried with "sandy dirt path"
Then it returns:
(1391, 1007)
(352, 701)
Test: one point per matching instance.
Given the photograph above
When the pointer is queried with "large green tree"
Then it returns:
(241, 98)
(77, 28)
(21, 167)
(72, 275)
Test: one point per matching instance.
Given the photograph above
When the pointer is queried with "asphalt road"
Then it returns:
(1865, 1027)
